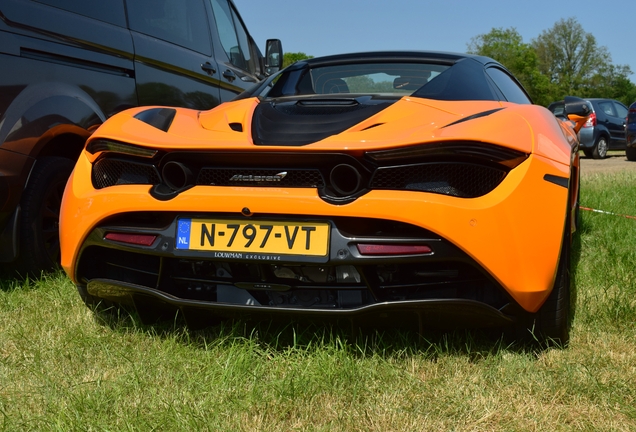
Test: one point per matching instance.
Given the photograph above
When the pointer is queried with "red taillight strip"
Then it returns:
(393, 249)
(591, 121)
(134, 239)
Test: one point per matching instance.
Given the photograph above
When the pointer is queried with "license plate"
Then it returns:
(268, 237)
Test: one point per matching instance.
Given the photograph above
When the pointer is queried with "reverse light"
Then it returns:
(133, 239)
(393, 249)
(591, 121)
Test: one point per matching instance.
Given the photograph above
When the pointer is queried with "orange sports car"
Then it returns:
(385, 187)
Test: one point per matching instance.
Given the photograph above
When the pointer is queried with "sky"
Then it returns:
(324, 27)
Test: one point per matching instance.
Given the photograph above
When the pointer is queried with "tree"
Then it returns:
(289, 58)
(507, 47)
(563, 60)
(571, 58)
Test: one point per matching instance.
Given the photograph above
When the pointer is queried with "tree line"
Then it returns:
(563, 60)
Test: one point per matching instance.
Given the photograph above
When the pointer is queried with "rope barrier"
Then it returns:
(606, 212)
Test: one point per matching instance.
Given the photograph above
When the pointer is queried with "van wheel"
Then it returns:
(630, 152)
(600, 148)
(39, 227)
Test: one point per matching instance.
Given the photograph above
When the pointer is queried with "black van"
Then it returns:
(67, 65)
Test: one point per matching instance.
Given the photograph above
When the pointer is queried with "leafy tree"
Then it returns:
(574, 63)
(289, 58)
(612, 82)
(563, 60)
(507, 47)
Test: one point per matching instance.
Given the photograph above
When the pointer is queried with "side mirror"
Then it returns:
(577, 110)
(273, 56)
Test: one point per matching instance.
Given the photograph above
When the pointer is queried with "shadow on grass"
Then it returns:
(10, 280)
(276, 338)
(575, 258)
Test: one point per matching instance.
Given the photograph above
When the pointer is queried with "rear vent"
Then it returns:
(455, 179)
(110, 172)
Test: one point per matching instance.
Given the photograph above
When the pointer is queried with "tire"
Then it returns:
(550, 325)
(630, 153)
(599, 151)
(39, 228)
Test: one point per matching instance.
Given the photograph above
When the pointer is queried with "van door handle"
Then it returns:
(207, 67)
(229, 75)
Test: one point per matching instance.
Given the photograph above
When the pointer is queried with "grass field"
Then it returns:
(63, 369)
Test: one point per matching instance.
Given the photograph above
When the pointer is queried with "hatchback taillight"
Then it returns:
(591, 121)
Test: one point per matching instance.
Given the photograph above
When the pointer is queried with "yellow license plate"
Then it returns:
(269, 237)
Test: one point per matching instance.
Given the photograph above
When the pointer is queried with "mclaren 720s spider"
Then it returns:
(399, 188)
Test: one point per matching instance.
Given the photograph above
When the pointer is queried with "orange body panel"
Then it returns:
(491, 229)
(399, 125)
(514, 232)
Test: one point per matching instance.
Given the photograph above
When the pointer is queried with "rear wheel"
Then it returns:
(550, 325)
(630, 152)
(599, 151)
(39, 228)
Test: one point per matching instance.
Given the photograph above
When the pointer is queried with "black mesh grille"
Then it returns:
(455, 179)
(110, 172)
(260, 177)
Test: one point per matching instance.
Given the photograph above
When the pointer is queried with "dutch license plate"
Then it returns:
(269, 237)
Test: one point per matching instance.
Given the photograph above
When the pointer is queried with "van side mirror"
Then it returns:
(577, 110)
(273, 56)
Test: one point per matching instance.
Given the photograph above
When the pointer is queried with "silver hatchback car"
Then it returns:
(605, 128)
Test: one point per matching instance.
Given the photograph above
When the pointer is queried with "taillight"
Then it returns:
(591, 121)
(393, 249)
(133, 239)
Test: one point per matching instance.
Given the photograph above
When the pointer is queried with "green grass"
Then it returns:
(61, 368)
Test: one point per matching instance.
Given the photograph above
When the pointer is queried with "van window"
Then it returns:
(234, 37)
(181, 22)
(110, 11)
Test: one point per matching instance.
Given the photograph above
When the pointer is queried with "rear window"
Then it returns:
(398, 79)
(557, 109)
(510, 89)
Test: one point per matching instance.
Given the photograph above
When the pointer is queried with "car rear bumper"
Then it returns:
(491, 231)
(586, 137)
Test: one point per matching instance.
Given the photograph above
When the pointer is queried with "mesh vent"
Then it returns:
(455, 179)
(260, 177)
(110, 172)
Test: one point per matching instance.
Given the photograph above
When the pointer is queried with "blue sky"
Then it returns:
(322, 27)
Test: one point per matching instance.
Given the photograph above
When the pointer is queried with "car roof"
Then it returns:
(397, 56)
